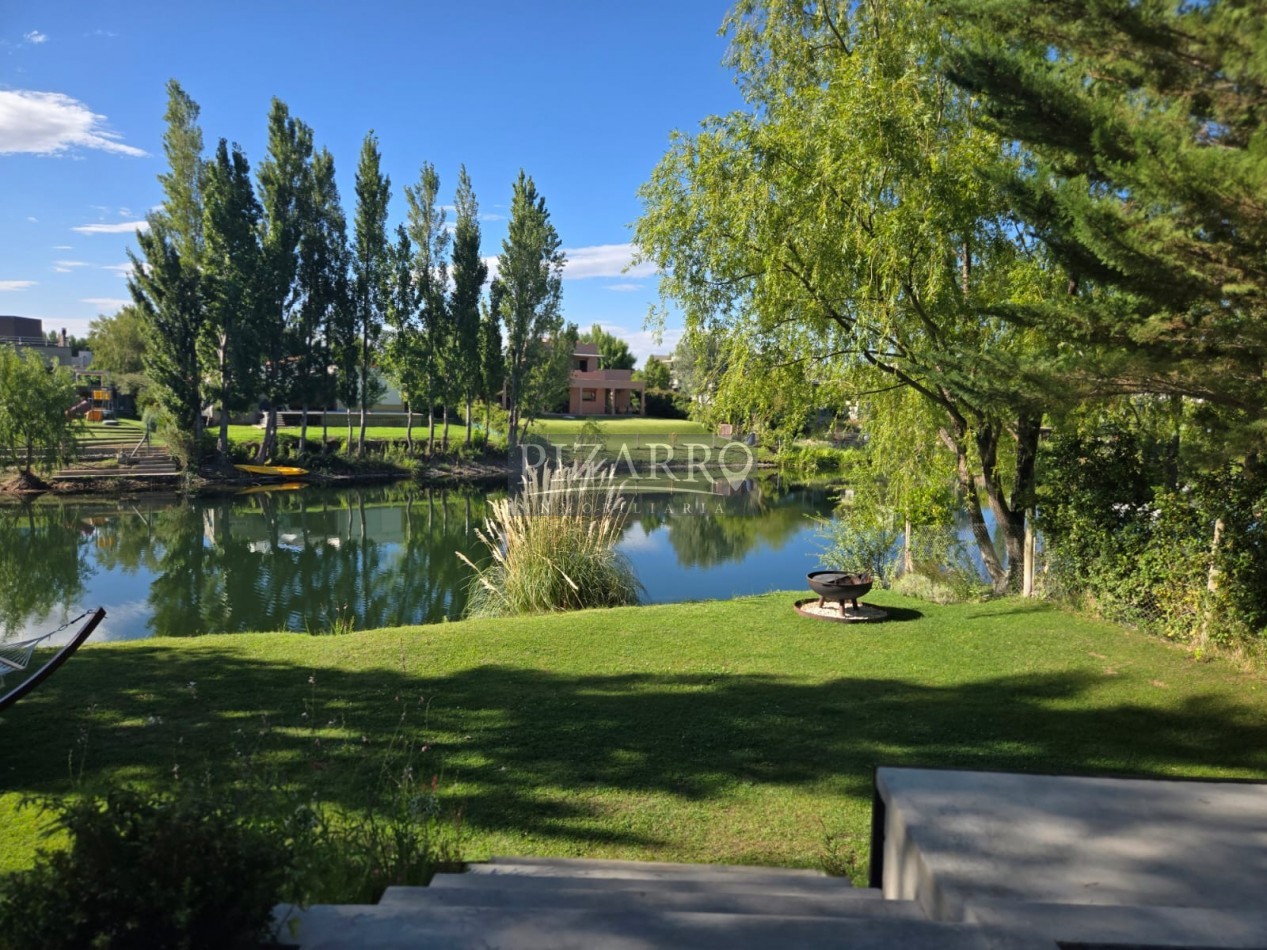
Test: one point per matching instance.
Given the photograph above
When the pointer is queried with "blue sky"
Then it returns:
(580, 93)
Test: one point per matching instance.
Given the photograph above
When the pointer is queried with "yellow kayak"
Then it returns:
(285, 471)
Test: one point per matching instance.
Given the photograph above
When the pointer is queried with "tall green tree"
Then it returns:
(1142, 128)
(231, 285)
(842, 220)
(37, 428)
(430, 270)
(469, 273)
(323, 320)
(613, 352)
(655, 373)
(371, 273)
(530, 271)
(285, 189)
(118, 345)
(402, 355)
(165, 277)
(492, 355)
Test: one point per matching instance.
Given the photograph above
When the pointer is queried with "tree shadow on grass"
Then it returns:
(520, 740)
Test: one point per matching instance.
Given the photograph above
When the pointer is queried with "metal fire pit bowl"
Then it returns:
(838, 586)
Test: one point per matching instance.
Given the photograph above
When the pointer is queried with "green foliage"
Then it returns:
(144, 871)
(613, 352)
(118, 342)
(666, 404)
(553, 547)
(860, 539)
(655, 373)
(232, 265)
(1141, 128)
(469, 273)
(36, 431)
(1138, 551)
(529, 291)
(165, 281)
(371, 273)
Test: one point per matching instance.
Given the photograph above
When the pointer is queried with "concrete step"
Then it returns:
(585, 868)
(1129, 925)
(627, 896)
(345, 927)
(600, 867)
(540, 883)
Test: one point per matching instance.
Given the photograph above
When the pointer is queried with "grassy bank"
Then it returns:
(722, 731)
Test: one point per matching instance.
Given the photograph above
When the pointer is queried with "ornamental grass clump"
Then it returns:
(553, 547)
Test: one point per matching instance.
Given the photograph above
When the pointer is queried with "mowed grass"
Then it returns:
(624, 425)
(718, 732)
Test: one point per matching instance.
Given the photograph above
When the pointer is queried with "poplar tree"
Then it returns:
(231, 275)
(430, 273)
(530, 272)
(469, 274)
(403, 353)
(371, 273)
(492, 356)
(165, 276)
(324, 310)
(285, 190)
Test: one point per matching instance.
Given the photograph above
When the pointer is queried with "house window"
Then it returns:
(588, 395)
(584, 365)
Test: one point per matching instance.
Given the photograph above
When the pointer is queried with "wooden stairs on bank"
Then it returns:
(564, 904)
(107, 454)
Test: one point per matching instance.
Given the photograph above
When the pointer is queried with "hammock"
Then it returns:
(15, 657)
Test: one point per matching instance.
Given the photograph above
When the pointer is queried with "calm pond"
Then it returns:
(304, 560)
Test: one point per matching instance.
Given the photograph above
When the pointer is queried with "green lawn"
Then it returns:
(624, 425)
(721, 731)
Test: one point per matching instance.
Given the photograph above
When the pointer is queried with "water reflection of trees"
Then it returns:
(706, 530)
(40, 562)
(301, 560)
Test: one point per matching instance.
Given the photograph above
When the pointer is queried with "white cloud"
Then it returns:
(492, 217)
(119, 227)
(65, 267)
(107, 303)
(63, 247)
(123, 270)
(624, 288)
(35, 38)
(491, 264)
(47, 123)
(16, 284)
(33, 219)
(603, 260)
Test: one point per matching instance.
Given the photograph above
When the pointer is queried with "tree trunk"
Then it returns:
(431, 428)
(976, 520)
(360, 437)
(444, 441)
(303, 428)
(468, 420)
(907, 563)
(1212, 583)
(409, 427)
(1027, 588)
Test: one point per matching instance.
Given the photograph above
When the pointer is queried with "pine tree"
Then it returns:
(469, 274)
(1141, 127)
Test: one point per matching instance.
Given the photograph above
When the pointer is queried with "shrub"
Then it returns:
(553, 547)
(147, 872)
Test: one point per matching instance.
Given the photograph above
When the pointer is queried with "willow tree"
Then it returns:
(840, 219)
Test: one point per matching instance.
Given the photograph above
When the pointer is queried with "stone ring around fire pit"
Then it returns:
(842, 589)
